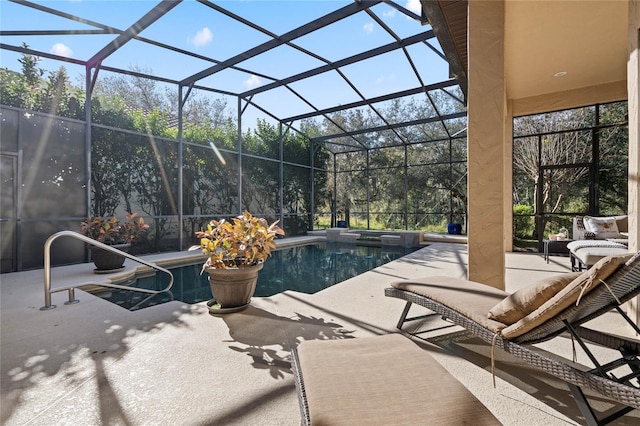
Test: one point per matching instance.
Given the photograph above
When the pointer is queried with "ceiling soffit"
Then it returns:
(550, 46)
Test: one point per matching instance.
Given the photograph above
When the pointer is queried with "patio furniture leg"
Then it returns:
(585, 408)
(405, 312)
(403, 316)
(576, 263)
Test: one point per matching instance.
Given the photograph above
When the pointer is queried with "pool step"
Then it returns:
(391, 240)
(341, 235)
(348, 237)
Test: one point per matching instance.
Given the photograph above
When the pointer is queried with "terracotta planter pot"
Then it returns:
(233, 287)
(107, 261)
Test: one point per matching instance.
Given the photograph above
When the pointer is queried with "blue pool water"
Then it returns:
(306, 269)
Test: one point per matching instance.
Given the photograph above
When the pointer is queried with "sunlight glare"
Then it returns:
(215, 150)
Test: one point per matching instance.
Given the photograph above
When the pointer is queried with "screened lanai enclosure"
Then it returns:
(312, 113)
(566, 164)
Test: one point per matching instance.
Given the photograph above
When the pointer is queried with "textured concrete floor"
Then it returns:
(94, 363)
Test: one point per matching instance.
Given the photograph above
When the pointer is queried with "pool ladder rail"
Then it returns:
(71, 289)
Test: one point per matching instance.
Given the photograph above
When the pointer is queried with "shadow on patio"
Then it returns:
(96, 363)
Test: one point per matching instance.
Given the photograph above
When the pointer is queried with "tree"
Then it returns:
(13, 89)
(137, 93)
(614, 159)
(28, 90)
(429, 190)
(552, 156)
(30, 70)
(560, 149)
(134, 158)
(55, 97)
(200, 110)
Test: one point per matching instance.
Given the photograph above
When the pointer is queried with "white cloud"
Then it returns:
(385, 78)
(389, 13)
(252, 82)
(415, 6)
(203, 37)
(61, 50)
(368, 28)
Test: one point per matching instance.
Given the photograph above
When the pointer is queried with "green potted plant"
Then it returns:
(113, 232)
(236, 251)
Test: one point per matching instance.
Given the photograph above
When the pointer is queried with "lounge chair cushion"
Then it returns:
(569, 295)
(590, 251)
(526, 300)
(383, 380)
(474, 301)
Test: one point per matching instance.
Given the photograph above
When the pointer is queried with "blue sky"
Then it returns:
(198, 28)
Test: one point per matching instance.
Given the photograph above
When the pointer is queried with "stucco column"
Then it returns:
(507, 184)
(486, 134)
(633, 75)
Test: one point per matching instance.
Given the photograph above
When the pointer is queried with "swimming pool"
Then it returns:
(307, 269)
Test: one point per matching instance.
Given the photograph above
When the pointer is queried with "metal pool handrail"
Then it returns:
(71, 289)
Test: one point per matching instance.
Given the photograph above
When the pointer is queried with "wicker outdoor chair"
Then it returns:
(467, 304)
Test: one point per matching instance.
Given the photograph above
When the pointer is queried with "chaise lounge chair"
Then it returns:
(541, 312)
(605, 236)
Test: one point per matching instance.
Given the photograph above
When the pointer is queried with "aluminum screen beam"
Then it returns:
(105, 29)
(422, 19)
(285, 38)
(259, 28)
(344, 62)
(108, 29)
(388, 97)
(149, 18)
(391, 126)
(52, 32)
(41, 54)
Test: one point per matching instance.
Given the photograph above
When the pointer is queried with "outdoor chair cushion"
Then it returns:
(590, 252)
(569, 295)
(381, 380)
(527, 299)
(474, 302)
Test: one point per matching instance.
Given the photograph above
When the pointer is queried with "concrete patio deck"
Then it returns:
(94, 363)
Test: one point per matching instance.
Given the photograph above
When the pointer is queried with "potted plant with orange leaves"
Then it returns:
(236, 250)
(116, 233)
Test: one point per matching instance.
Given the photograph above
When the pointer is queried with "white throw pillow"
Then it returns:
(603, 227)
